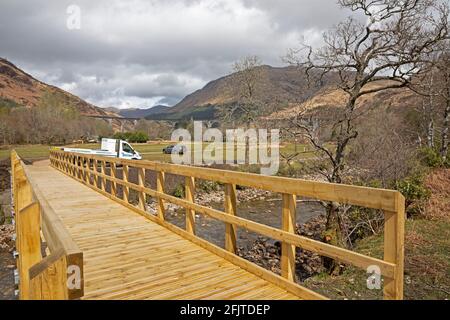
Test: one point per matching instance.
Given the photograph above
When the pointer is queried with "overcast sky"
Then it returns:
(139, 53)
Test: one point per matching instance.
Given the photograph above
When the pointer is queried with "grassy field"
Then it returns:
(149, 151)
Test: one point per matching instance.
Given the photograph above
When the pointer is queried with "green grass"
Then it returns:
(28, 152)
(149, 151)
(427, 266)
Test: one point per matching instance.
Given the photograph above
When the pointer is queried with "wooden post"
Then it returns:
(126, 190)
(30, 245)
(288, 224)
(103, 163)
(78, 169)
(189, 195)
(66, 163)
(87, 176)
(160, 188)
(49, 278)
(74, 168)
(394, 249)
(230, 208)
(113, 183)
(96, 178)
(141, 182)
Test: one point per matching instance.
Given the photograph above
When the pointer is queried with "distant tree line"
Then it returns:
(53, 121)
(133, 137)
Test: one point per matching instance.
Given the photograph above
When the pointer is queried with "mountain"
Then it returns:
(142, 113)
(276, 85)
(19, 87)
(332, 100)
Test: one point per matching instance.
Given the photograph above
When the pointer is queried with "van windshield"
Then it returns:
(127, 148)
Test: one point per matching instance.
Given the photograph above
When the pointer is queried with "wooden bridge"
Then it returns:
(79, 235)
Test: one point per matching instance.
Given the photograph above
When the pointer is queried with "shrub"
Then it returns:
(132, 137)
(430, 157)
(178, 191)
(415, 193)
(208, 186)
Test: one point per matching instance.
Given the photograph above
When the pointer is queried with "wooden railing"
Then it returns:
(58, 273)
(85, 168)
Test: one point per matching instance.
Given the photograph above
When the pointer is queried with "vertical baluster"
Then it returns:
(230, 208)
(113, 183)
(160, 188)
(103, 171)
(189, 195)
(288, 224)
(126, 189)
(394, 247)
(96, 181)
(142, 194)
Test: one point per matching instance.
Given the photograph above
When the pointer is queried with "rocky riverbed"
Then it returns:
(7, 262)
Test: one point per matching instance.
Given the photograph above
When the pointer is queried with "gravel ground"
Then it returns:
(7, 263)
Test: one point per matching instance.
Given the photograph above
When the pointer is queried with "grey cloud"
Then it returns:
(149, 52)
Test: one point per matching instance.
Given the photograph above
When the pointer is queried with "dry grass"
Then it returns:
(427, 253)
(438, 207)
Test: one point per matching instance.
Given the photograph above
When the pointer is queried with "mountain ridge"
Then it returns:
(22, 88)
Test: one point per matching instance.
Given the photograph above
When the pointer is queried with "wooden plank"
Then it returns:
(49, 283)
(288, 219)
(189, 196)
(95, 176)
(160, 188)
(141, 194)
(394, 247)
(114, 176)
(30, 245)
(103, 171)
(126, 189)
(230, 208)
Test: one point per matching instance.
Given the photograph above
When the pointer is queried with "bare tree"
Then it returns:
(433, 84)
(243, 86)
(443, 66)
(381, 54)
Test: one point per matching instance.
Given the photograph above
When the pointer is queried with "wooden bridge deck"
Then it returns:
(127, 256)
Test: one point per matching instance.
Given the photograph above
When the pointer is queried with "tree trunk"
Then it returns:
(333, 236)
(430, 134)
(444, 141)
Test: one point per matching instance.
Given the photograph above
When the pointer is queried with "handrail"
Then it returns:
(59, 275)
(78, 166)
